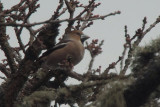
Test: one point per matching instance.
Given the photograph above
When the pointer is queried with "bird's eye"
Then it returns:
(79, 34)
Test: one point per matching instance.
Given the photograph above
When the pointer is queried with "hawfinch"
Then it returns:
(70, 48)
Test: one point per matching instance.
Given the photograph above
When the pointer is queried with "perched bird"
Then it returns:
(70, 49)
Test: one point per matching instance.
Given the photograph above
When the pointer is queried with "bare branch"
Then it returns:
(140, 34)
(91, 64)
(94, 50)
(111, 66)
(71, 9)
(13, 8)
(86, 8)
(57, 21)
(125, 48)
(5, 45)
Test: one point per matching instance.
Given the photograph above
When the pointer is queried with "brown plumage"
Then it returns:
(70, 48)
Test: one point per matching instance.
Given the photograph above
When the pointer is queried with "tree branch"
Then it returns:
(5, 45)
(4, 70)
(140, 34)
(57, 21)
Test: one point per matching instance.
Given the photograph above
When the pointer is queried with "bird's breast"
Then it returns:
(77, 53)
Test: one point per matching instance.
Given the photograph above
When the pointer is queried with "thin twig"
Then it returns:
(91, 64)
(13, 8)
(87, 16)
(86, 8)
(57, 21)
(135, 44)
(125, 48)
(71, 9)
(123, 55)
(111, 66)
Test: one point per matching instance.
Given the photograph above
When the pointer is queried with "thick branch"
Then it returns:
(5, 45)
(4, 70)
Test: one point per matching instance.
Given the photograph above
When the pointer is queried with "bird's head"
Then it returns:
(77, 35)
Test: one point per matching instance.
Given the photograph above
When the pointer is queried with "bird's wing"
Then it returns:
(60, 45)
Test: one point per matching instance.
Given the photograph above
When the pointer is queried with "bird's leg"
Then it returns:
(69, 59)
(66, 64)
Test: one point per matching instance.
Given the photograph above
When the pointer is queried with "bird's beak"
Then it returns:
(84, 37)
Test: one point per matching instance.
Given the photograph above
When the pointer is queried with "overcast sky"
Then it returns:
(111, 29)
